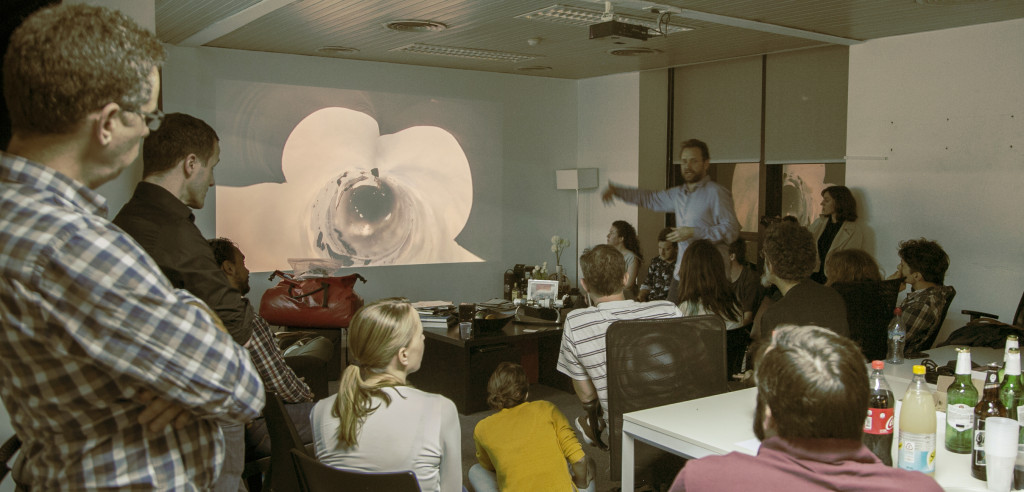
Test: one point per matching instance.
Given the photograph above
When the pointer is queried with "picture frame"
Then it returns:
(538, 290)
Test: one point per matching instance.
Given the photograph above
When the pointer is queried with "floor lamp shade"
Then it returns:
(576, 179)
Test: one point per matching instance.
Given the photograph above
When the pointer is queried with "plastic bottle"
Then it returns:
(989, 406)
(1011, 394)
(917, 426)
(961, 398)
(897, 339)
(878, 425)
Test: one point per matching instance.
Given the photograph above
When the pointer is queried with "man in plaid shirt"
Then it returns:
(113, 379)
(266, 356)
(923, 265)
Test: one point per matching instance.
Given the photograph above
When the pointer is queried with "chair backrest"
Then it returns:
(869, 308)
(1018, 317)
(283, 439)
(657, 362)
(7, 451)
(318, 477)
(942, 318)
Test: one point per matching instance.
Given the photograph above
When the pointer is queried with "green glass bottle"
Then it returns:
(1011, 391)
(961, 398)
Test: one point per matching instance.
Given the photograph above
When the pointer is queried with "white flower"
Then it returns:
(554, 248)
(555, 239)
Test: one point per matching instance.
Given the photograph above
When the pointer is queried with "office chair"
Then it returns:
(661, 361)
(1018, 316)
(930, 341)
(7, 451)
(315, 476)
(984, 331)
(869, 308)
(283, 439)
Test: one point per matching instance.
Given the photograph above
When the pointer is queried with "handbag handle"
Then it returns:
(324, 287)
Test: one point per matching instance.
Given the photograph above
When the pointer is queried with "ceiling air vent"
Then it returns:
(414, 25)
(633, 51)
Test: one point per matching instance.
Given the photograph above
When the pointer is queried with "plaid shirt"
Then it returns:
(921, 311)
(277, 375)
(88, 321)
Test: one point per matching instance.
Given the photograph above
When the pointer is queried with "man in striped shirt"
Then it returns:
(113, 379)
(582, 356)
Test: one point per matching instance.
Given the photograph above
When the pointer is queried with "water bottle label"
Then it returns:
(960, 416)
(916, 452)
(879, 421)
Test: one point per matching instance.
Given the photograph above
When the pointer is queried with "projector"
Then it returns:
(615, 28)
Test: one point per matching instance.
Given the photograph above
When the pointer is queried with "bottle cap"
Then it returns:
(898, 311)
(878, 364)
(919, 369)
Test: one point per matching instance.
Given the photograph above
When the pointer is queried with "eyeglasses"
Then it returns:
(153, 120)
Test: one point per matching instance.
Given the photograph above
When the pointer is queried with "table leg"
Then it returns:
(627, 461)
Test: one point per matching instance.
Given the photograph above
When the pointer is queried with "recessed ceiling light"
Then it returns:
(336, 50)
(429, 49)
(633, 51)
(577, 16)
(534, 68)
(415, 25)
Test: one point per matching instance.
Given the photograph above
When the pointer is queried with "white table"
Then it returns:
(723, 423)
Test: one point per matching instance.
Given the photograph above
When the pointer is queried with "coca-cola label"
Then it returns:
(879, 421)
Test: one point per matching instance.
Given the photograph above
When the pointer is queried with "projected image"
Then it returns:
(356, 196)
(802, 185)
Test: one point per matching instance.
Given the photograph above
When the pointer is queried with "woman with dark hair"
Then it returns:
(623, 237)
(526, 445)
(377, 422)
(837, 227)
(705, 289)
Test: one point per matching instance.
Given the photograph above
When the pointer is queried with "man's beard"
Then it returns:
(244, 286)
(766, 277)
(693, 178)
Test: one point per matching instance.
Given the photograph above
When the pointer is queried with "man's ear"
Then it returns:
(769, 422)
(190, 165)
(104, 125)
(228, 268)
(625, 278)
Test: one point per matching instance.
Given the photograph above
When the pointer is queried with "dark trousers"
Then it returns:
(736, 342)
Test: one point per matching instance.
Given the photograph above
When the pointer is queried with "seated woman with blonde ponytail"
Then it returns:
(377, 422)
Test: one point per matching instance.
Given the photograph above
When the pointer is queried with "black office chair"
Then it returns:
(283, 439)
(7, 451)
(869, 308)
(315, 476)
(984, 331)
(658, 362)
(1018, 316)
(930, 341)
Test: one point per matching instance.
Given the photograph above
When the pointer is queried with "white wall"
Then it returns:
(947, 111)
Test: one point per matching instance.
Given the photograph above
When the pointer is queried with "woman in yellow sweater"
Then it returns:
(526, 446)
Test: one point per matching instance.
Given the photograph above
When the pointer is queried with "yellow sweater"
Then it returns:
(528, 446)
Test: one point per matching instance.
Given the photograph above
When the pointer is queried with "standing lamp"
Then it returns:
(576, 179)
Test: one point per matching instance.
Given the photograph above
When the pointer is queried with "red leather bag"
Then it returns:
(323, 302)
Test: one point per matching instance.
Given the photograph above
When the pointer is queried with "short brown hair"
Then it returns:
(508, 386)
(66, 61)
(925, 257)
(694, 143)
(179, 135)
(851, 265)
(789, 247)
(815, 384)
(603, 269)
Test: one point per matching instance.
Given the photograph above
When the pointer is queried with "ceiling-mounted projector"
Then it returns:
(614, 28)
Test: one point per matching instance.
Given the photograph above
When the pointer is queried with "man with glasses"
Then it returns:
(113, 379)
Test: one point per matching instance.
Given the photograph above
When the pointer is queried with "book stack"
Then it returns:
(436, 314)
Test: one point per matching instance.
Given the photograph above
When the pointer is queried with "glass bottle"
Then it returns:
(897, 339)
(1011, 394)
(989, 406)
(917, 426)
(1011, 342)
(961, 398)
(878, 426)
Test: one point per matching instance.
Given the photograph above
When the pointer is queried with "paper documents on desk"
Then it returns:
(751, 444)
(431, 304)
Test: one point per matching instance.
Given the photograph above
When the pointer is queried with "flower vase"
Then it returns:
(563, 281)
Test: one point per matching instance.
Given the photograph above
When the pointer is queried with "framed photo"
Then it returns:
(538, 290)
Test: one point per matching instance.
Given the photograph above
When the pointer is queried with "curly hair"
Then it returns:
(603, 269)
(178, 136)
(844, 202)
(66, 61)
(629, 238)
(851, 265)
(789, 247)
(925, 257)
(702, 280)
(508, 386)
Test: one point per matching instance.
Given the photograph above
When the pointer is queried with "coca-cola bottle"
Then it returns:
(878, 425)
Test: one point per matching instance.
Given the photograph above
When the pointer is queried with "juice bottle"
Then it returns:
(917, 427)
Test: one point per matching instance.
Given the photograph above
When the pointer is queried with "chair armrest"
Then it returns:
(978, 314)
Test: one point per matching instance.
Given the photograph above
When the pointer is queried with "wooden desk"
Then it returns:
(459, 369)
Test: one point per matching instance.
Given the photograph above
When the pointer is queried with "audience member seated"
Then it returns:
(582, 355)
(869, 300)
(789, 259)
(851, 265)
(376, 422)
(745, 282)
(526, 446)
(837, 227)
(622, 236)
(703, 289)
(923, 265)
(659, 274)
(266, 356)
(812, 395)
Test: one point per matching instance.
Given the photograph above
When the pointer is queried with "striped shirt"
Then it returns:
(582, 355)
(88, 321)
